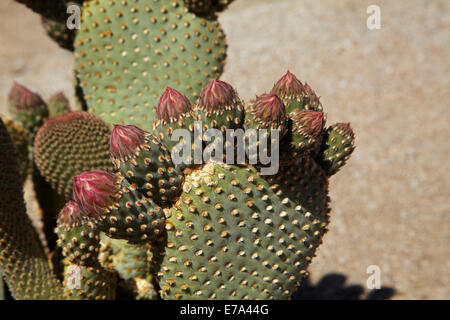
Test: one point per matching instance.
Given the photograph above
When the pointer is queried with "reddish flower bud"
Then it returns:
(95, 191)
(125, 141)
(268, 108)
(309, 123)
(217, 96)
(58, 97)
(288, 86)
(22, 99)
(71, 215)
(172, 105)
(310, 93)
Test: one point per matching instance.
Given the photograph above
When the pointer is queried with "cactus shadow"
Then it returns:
(333, 286)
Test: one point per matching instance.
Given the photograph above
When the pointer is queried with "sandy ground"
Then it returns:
(391, 203)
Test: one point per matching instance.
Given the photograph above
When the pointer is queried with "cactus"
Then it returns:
(20, 142)
(29, 108)
(58, 104)
(128, 52)
(70, 144)
(23, 263)
(137, 221)
(59, 32)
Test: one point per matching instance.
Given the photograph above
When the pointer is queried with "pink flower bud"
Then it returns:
(288, 86)
(310, 122)
(268, 108)
(172, 105)
(22, 99)
(71, 215)
(125, 141)
(217, 96)
(95, 191)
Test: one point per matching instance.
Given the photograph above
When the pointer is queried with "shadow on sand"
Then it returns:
(333, 287)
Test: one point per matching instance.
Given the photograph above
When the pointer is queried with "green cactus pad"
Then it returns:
(143, 160)
(58, 104)
(19, 139)
(89, 283)
(306, 183)
(173, 112)
(267, 112)
(78, 238)
(306, 130)
(132, 217)
(129, 260)
(23, 262)
(337, 147)
(127, 52)
(28, 108)
(70, 144)
(59, 32)
(233, 235)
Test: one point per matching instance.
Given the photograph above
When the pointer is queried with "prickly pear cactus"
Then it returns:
(69, 144)
(23, 262)
(175, 188)
(127, 52)
(230, 231)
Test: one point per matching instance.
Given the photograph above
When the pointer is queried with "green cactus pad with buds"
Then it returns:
(29, 109)
(220, 107)
(174, 111)
(118, 208)
(143, 160)
(23, 262)
(337, 147)
(78, 238)
(306, 130)
(233, 235)
(127, 52)
(68, 145)
(295, 95)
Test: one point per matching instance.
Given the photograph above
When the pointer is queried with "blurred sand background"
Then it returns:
(390, 204)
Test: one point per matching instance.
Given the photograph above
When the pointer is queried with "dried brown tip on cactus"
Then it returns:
(172, 105)
(95, 192)
(288, 86)
(216, 97)
(125, 141)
